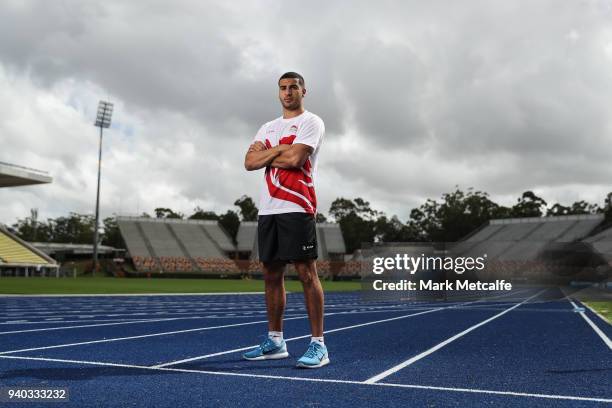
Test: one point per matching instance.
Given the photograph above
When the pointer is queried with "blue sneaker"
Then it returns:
(268, 350)
(315, 357)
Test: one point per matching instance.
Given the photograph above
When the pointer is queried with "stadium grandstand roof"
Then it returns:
(17, 252)
(580, 217)
(12, 175)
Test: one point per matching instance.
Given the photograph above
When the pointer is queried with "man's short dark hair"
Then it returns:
(293, 75)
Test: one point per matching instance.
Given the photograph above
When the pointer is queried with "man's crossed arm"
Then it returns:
(282, 156)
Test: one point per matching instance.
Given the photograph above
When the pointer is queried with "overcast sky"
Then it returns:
(417, 97)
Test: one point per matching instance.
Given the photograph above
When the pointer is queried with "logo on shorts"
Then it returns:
(307, 247)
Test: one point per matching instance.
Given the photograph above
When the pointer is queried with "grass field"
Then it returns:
(100, 285)
(604, 308)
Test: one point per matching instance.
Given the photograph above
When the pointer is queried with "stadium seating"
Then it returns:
(12, 251)
(218, 265)
(602, 243)
(193, 246)
(146, 264)
(332, 235)
(197, 242)
(247, 237)
(177, 246)
(517, 246)
(579, 230)
(524, 238)
(163, 243)
(171, 264)
(133, 237)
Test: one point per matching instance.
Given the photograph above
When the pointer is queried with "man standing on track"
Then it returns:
(287, 148)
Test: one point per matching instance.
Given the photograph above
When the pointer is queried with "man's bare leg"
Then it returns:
(275, 305)
(313, 294)
(275, 294)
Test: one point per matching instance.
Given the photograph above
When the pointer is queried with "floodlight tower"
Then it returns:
(103, 121)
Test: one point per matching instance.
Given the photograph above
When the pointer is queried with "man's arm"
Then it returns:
(259, 156)
(292, 158)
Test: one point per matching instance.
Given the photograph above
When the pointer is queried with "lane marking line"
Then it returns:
(186, 360)
(159, 334)
(169, 311)
(21, 323)
(166, 333)
(141, 336)
(438, 346)
(97, 325)
(453, 306)
(14, 295)
(135, 321)
(595, 312)
(322, 380)
(596, 329)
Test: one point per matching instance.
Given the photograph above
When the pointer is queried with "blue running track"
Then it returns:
(517, 350)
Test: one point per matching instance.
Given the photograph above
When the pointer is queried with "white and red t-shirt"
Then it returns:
(291, 190)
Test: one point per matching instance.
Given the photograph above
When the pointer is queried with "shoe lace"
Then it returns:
(267, 344)
(312, 351)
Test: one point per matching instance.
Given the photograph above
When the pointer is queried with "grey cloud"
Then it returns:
(502, 96)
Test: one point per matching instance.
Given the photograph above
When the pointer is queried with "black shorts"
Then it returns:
(286, 237)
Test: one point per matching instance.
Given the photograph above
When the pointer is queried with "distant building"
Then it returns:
(17, 257)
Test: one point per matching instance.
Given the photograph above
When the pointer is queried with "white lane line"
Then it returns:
(213, 316)
(247, 316)
(319, 380)
(55, 315)
(133, 321)
(596, 329)
(128, 315)
(170, 311)
(494, 392)
(165, 333)
(119, 305)
(141, 336)
(152, 307)
(334, 301)
(596, 313)
(129, 294)
(96, 325)
(453, 306)
(186, 360)
(24, 322)
(155, 334)
(424, 354)
(522, 309)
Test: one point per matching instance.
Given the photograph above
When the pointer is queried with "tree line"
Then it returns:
(448, 219)
(79, 228)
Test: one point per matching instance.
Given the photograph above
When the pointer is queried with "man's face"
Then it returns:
(290, 93)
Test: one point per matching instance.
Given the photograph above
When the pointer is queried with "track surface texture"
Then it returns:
(515, 350)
